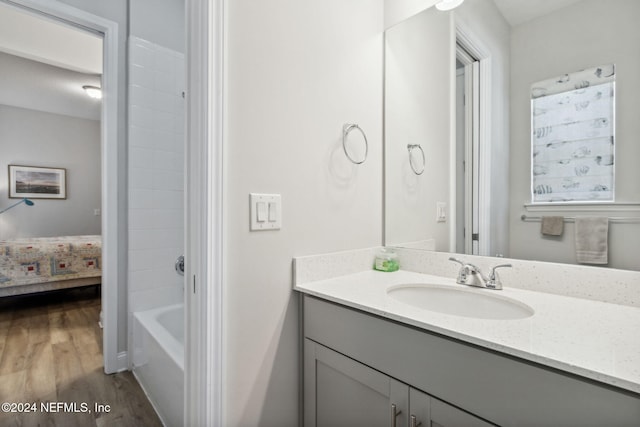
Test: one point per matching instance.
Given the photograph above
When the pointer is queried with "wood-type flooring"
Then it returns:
(51, 356)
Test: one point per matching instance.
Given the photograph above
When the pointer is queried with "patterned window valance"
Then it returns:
(572, 140)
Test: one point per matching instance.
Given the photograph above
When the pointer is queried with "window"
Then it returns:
(573, 139)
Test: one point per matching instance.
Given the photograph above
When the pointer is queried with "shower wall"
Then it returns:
(155, 174)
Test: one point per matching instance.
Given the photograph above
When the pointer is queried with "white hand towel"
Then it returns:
(592, 240)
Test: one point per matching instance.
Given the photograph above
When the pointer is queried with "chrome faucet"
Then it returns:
(471, 275)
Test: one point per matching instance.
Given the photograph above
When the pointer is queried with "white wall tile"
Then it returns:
(169, 238)
(142, 239)
(142, 179)
(152, 298)
(178, 161)
(141, 260)
(141, 116)
(164, 101)
(168, 180)
(142, 76)
(156, 177)
(164, 120)
(142, 96)
(141, 157)
(178, 104)
(142, 55)
(141, 219)
(165, 61)
(163, 160)
(141, 279)
(141, 137)
(165, 140)
(163, 199)
(180, 80)
(163, 219)
(165, 82)
(141, 199)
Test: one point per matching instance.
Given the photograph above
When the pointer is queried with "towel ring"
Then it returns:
(346, 128)
(410, 148)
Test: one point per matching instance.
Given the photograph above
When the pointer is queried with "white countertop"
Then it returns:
(596, 340)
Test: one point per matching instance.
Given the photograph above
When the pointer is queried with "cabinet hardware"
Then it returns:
(394, 414)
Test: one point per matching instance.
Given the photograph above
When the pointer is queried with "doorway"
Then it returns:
(467, 152)
(471, 149)
(205, 23)
(104, 212)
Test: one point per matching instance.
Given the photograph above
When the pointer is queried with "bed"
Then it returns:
(38, 264)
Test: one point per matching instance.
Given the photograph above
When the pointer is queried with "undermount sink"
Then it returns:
(463, 301)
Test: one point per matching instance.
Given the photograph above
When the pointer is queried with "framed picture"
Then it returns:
(37, 183)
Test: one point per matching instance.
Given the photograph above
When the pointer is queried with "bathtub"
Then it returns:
(158, 359)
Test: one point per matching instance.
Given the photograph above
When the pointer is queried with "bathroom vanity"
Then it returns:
(372, 358)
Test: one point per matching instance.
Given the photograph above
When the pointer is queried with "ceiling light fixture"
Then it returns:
(93, 91)
(448, 4)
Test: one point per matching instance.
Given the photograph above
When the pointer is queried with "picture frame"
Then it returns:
(36, 182)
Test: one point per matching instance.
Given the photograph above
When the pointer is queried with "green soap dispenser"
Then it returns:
(386, 260)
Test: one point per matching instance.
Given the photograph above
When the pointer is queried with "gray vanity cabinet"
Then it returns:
(356, 365)
(444, 415)
(340, 391)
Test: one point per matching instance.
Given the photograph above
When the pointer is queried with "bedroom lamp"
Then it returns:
(448, 4)
(25, 201)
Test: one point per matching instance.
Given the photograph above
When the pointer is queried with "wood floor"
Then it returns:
(51, 351)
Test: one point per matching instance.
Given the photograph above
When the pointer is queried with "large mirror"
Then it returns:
(458, 129)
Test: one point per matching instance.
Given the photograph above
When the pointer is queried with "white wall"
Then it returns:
(419, 69)
(156, 174)
(60, 142)
(296, 72)
(160, 22)
(116, 11)
(484, 22)
(583, 35)
(396, 11)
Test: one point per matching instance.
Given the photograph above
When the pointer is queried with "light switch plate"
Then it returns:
(270, 216)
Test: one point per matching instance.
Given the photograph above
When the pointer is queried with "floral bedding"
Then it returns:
(36, 260)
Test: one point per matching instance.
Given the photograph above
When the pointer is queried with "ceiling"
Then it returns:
(517, 12)
(45, 63)
(36, 86)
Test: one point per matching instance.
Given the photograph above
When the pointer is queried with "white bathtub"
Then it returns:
(158, 359)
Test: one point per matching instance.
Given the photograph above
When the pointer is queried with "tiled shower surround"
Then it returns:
(156, 172)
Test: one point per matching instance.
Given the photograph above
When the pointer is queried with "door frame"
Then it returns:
(465, 37)
(203, 400)
(113, 362)
(471, 149)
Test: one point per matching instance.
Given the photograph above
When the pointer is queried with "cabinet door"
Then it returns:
(342, 392)
(445, 415)
(419, 408)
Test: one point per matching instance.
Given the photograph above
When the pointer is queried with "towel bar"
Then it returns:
(615, 219)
